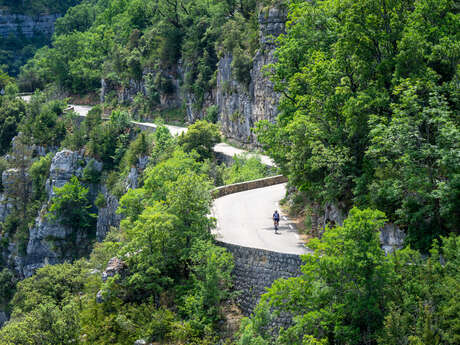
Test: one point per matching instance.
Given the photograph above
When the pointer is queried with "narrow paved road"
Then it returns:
(245, 219)
(224, 148)
(231, 151)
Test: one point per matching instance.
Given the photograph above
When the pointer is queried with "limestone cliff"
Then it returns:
(26, 25)
(239, 106)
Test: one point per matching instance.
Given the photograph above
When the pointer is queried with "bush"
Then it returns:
(71, 206)
(39, 172)
(100, 201)
(212, 114)
(201, 137)
(245, 169)
(137, 149)
(91, 174)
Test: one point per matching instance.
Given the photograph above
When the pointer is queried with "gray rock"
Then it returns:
(241, 106)
(49, 240)
(27, 25)
(99, 297)
(391, 238)
(64, 165)
(140, 342)
(3, 318)
(107, 216)
(114, 266)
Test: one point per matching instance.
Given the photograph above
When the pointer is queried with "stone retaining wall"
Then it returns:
(248, 185)
(256, 270)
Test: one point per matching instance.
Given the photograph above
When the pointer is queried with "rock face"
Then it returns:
(391, 238)
(50, 242)
(107, 216)
(9, 179)
(241, 106)
(114, 266)
(3, 318)
(26, 25)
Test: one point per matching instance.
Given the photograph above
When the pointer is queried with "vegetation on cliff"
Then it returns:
(369, 113)
(175, 280)
(157, 42)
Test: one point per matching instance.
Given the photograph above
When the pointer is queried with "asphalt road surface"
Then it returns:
(245, 219)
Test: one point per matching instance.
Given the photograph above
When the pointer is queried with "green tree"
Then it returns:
(211, 269)
(341, 294)
(201, 137)
(244, 169)
(39, 172)
(345, 70)
(70, 206)
(12, 110)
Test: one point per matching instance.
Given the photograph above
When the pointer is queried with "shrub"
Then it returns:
(212, 114)
(71, 206)
(100, 201)
(39, 172)
(91, 174)
(201, 137)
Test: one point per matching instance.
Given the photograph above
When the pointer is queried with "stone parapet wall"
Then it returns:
(256, 270)
(248, 185)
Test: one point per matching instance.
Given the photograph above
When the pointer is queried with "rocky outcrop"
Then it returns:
(391, 238)
(114, 266)
(9, 180)
(49, 241)
(107, 216)
(241, 106)
(28, 26)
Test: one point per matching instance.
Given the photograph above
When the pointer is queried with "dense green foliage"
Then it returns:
(16, 48)
(351, 293)
(201, 137)
(71, 207)
(369, 114)
(126, 41)
(12, 110)
(244, 169)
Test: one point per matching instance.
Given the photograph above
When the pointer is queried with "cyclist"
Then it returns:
(276, 220)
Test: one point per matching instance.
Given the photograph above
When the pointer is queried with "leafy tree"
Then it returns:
(352, 76)
(53, 284)
(244, 169)
(39, 172)
(7, 286)
(341, 294)
(137, 149)
(47, 324)
(424, 309)
(70, 206)
(12, 110)
(201, 137)
(158, 178)
(211, 268)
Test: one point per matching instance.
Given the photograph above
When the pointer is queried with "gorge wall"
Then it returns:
(239, 106)
(28, 26)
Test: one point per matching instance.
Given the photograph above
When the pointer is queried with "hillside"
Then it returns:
(105, 228)
(26, 26)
